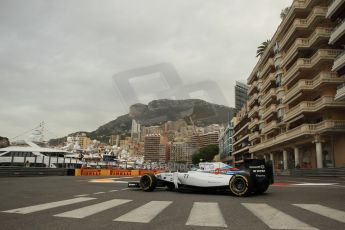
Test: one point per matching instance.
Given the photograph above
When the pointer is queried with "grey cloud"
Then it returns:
(57, 57)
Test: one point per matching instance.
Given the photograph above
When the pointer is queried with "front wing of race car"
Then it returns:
(254, 178)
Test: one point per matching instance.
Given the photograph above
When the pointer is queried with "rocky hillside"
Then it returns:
(159, 111)
(4, 142)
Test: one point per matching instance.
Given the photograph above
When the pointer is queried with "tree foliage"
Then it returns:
(261, 49)
(284, 12)
(205, 154)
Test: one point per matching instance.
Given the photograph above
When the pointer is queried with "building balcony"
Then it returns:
(335, 8)
(312, 107)
(299, 133)
(242, 138)
(253, 111)
(297, 6)
(339, 62)
(254, 136)
(340, 96)
(268, 81)
(268, 65)
(308, 63)
(317, 14)
(270, 127)
(244, 149)
(277, 60)
(252, 88)
(270, 94)
(252, 99)
(338, 33)
(270, 110)
(253, 123)
(304, 43)
(322, 79)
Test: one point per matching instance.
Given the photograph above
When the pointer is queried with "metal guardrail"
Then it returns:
(10, 171)
(323, 172)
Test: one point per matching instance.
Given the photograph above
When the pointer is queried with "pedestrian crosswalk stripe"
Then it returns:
(41, 207)
(274, 218)
(92, 209)
(145, 213)
(324, 211)
(206, 214)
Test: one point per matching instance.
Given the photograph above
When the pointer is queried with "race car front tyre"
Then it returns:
(148, 182)
(240, 185)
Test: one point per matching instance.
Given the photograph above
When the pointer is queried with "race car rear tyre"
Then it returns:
(240, 185)
(262, 187)
(148, 182)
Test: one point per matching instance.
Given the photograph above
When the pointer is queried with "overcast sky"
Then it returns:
(58, 58)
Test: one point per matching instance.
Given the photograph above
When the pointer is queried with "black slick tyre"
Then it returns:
(262, 187)
(148, 182)
(240, 185)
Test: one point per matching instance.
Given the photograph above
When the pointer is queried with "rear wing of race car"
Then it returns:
(259, 170)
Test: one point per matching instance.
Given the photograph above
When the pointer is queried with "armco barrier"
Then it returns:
(90, 172)
(143, 172)
(113, 172)
(9, 171)
(120, 172)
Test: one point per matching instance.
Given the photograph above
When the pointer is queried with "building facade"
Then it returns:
(135, 131)
(225, 145)
(241, 95)
(293, 116)
(84, 141)
(336, 13)
(240, 136)
(152, 148)
(203, 140)
(182, 152)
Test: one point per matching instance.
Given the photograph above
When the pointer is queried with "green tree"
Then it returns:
(261, 49)
(205, 154)
(284, 12)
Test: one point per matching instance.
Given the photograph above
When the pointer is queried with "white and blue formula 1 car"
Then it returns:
(254, 178)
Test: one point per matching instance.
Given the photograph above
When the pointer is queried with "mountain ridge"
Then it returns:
(157, 112)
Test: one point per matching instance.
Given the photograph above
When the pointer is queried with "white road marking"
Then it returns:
(96, 193)
(92, 209)
(206, 214)
(81, 195)
(40, 207)
(145, 213)
(315, 184)
(125, 189)
(324, 211)
(274, 218)
(113, 190)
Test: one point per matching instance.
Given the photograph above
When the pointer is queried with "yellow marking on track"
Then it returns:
(106, 180)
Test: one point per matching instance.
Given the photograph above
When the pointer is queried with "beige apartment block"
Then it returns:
(295, 118)
(240, 142)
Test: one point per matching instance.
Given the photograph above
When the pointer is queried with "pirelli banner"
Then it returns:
(113, 172)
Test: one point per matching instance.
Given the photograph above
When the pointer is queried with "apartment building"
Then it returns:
(293, 116)
(203, 140)
(182, 152)
(241, 95)
(84, 141)
(225, 145)
(240, 136)
(336, 13)
(152, 148)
